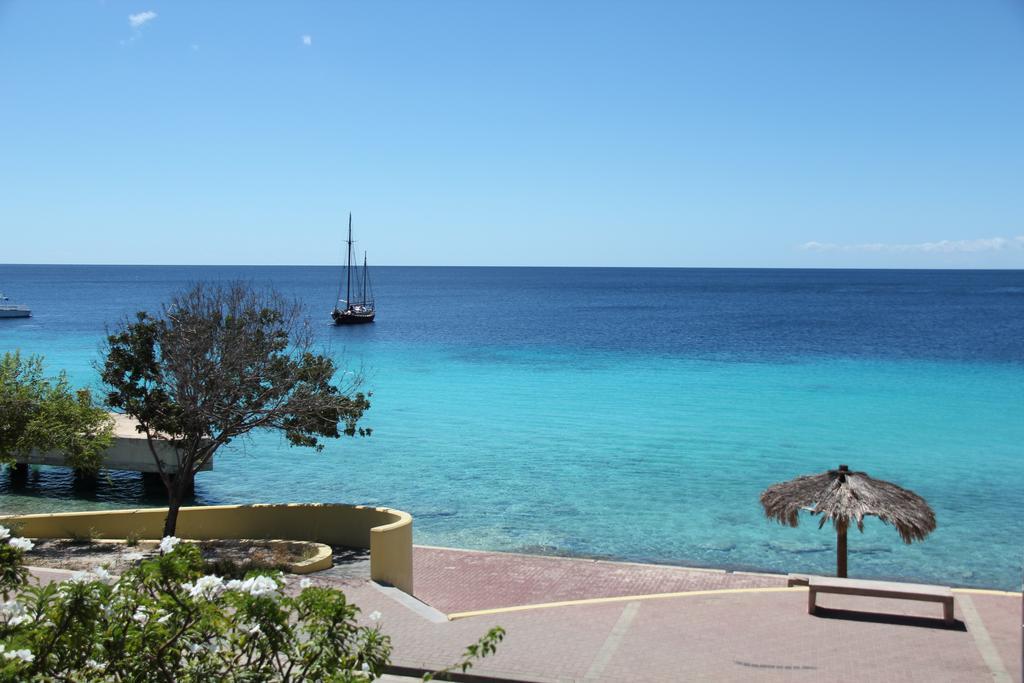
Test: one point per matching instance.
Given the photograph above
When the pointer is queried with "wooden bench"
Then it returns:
(880, 589)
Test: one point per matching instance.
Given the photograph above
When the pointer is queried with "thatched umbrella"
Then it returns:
(841, 495)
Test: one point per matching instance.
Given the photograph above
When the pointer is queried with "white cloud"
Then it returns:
(307, 39)
(137, 20)
(940, 247)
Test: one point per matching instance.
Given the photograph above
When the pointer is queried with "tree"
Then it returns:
(216, 363)
(43, 414)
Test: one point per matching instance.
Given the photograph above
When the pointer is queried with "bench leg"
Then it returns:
(811, 597)
(947, 611)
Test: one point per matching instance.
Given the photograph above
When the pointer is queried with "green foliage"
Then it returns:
(12, 572)
(39, 413)
(219, 362)
(165, 620)
(85, 537)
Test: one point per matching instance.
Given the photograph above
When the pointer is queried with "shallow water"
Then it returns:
(624, 413)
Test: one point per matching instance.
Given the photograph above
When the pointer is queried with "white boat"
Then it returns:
(9, 310)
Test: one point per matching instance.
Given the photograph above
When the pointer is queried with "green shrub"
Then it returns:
(165, 620)
(131, 539)
(46, 414)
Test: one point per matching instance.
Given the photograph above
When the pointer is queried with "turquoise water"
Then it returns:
(621, 451)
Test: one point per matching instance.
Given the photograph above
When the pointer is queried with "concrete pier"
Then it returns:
(128, 452)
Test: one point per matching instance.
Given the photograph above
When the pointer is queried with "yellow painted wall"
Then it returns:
(386, 532)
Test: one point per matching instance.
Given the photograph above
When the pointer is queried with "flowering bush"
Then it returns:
(12, 570)
(165, 621)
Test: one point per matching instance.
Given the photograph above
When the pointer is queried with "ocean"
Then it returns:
(632, 414)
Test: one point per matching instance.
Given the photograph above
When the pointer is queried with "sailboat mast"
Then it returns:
(348, 266)
(364, 278)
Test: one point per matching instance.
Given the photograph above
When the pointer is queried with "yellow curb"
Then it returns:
(658, 596)
(620, 598)
(321, 560)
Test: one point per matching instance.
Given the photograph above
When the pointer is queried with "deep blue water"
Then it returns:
(626, 413)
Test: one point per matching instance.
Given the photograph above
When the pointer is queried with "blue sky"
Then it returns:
(526, 132)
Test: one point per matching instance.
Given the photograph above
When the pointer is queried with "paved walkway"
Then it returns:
(588, 620)
(607, 621)
(465, 580)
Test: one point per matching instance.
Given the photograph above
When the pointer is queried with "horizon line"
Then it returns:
(552, 267)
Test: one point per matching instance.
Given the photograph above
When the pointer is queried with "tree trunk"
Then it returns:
(185, 485)
(174, 504)
(179, 487)
(841, 553)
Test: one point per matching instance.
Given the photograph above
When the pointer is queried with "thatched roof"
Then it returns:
(841, 495)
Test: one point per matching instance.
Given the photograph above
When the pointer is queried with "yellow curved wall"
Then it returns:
(386, 532)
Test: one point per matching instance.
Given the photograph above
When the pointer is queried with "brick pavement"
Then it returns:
(720, 637)
(730, 637)
(454, 580)
(756, 636)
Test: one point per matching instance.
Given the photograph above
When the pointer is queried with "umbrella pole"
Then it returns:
(841, 553)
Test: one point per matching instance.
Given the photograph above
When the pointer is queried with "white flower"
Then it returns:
(14, 613)
(4, 533)
(22, 543)
(305, 583)
(23, 655)
(11, 608)
(97, 574)
(255, 586)
(168, 542)
(208, 587)
(141, 616)
(103, 575)
(374, 615)
(261, 585)
(80, 577)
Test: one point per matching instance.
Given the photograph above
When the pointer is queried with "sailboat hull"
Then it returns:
(352, 317)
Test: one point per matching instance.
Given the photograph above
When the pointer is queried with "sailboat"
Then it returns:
(360, 309)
